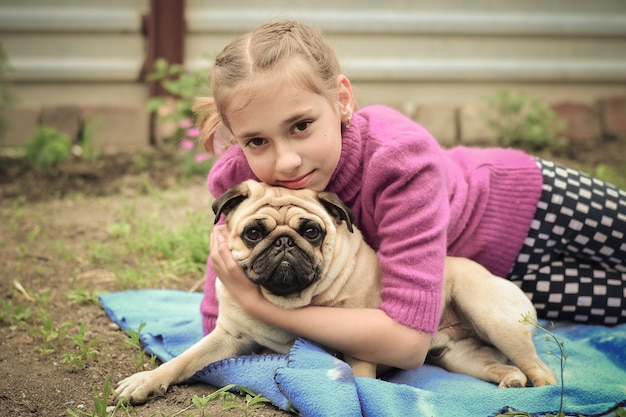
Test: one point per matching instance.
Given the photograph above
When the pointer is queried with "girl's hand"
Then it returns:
(228, 271)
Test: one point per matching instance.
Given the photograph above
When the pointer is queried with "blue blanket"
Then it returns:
(315, 383)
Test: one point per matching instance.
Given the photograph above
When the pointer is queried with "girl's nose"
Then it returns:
(287, 160)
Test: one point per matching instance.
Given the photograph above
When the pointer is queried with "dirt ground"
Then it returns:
(49, 226)
(70, 210)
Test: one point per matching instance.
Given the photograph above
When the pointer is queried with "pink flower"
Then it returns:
(193, 132)
(186, 123)
(186, 145)
(200, 158)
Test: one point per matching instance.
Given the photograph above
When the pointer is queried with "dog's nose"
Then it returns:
(283, 242)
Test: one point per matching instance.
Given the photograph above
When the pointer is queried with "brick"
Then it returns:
(117, 129)
(441, 121)
(583, 121)
(66, 119)
(613, 116)
(473, 128)
(21, 124)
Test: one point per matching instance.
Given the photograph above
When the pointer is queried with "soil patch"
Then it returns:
(51, 225)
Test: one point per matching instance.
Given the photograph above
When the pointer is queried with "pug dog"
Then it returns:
(301, 248)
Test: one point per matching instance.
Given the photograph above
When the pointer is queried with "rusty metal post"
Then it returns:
(164, 29)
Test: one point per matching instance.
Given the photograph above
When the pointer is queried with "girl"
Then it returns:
(279, 92)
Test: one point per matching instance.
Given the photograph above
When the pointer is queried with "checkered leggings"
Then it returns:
(573, 262)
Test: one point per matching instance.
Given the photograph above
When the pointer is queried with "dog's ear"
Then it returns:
(229, 201)
(336, 208)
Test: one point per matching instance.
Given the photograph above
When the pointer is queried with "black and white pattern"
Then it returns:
(573, 262)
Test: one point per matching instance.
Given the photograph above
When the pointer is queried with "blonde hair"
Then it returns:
(262, 54)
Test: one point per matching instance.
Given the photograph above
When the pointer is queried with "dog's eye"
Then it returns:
(253, 234)
(311, 233)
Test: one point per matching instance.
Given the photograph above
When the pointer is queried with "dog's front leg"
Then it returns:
(361, 368)
(215, 346)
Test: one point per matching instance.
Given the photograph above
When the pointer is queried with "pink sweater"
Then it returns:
(415, 202)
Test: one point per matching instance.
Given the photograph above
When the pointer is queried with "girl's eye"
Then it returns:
(255, 142)
(301, 127)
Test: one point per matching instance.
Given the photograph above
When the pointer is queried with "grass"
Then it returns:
(161, 246)
(251, 403)
(150, 253)
(143, 249)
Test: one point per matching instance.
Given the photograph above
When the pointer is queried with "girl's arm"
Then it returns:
(366, 334)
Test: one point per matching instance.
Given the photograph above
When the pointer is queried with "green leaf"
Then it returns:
(155, 103)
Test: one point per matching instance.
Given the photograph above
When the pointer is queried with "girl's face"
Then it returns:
(291, 136)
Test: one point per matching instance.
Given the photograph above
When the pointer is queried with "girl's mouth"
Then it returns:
(297, 183)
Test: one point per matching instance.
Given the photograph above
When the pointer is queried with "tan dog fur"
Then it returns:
(481, 313)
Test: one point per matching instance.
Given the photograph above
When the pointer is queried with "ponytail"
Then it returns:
(209, 122)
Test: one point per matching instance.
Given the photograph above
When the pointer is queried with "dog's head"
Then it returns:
(285, 240)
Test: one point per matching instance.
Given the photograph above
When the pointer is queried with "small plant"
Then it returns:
(52, 335)
(134, 341)
(84, 350)
(101, 405)
(176, 114)
(521, 121)
(550, 337)
(195, 162)
(83, 296)
(48, 148)
(14, 314)
(251, 403)
(182, 87)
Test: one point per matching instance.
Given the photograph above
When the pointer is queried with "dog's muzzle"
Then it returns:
(283, 268)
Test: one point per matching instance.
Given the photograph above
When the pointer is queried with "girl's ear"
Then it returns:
(345, 96)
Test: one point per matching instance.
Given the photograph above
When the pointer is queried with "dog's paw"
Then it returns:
(511, 383)
(138, 387)
(543, 376)
(513, 379)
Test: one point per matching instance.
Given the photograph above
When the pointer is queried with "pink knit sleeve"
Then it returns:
(409, 209)
(229, 170)
(209, 305)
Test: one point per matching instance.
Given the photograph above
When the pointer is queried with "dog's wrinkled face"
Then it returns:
(283, 246)
(281, 238)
